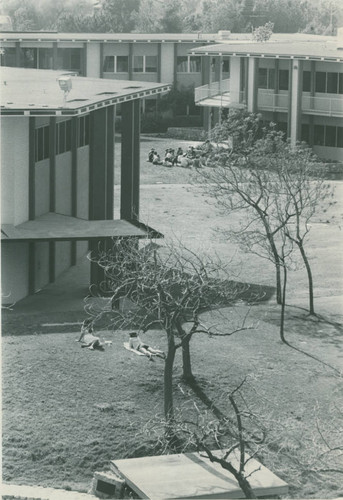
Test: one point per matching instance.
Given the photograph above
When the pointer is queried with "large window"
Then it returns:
(328, 135)
(145, 64)
(266, 78)
(28, 58)
(307, 81)
(45, 59)
(283, 79)
(122, 64)
(42, 143)
(188, 64)
(69, 59)
(83, 131)
(226, 65)
(63, 137)
(329, 83)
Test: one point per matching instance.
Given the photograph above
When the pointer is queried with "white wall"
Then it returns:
(93, 60)
(167, 63)
(14, 170)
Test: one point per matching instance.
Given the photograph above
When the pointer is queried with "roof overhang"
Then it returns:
(55, 227)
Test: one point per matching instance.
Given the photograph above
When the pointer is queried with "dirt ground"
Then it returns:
(68, 411)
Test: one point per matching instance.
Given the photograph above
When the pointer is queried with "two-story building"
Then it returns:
(57, 172)
(296, 83)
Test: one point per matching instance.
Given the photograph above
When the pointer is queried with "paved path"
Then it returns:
(23, 492)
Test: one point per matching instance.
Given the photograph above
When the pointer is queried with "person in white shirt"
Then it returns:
(87, 338)
(136, 343)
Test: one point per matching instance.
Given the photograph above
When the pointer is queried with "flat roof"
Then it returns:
(191, 475)
(53, 36)
(56, 227)
(109, 37)
(323, 50)
(34, 92)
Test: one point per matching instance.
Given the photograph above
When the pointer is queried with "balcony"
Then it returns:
(218, 94)
(312, 105)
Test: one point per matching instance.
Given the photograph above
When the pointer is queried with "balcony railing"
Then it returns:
(328, 106)
(271, 101)
(212, 90)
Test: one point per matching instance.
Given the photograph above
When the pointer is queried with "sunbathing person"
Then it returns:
(136, 343)
(87, 338)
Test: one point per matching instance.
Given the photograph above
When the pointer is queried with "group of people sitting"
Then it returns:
(91, 341)
(178, 158)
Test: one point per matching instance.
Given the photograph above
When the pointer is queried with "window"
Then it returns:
(328, 135)
(266, 78)
(319, 133)
(28, 58)
(83, 131)
(188, 64)
(45, 59)
(226, 66)
(108, 66)
(63, 137)
(42, 143)
(150, 64)
(305, 133)
(320, 81)
(122, 64)
(332, 83)
(283, 79)
(8, 58)
(116, 64)
(69, 59)
(307, 81)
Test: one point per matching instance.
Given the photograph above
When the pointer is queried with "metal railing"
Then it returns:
(211, 90)
(327, 106)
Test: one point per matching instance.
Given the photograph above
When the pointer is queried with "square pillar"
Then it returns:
(295, 98)
(252, 84)
(130, 143)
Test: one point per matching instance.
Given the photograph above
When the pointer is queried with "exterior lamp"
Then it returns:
(65, 84)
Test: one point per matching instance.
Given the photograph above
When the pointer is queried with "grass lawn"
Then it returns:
(67, 411)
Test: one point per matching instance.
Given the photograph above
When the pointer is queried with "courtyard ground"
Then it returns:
(67, 411)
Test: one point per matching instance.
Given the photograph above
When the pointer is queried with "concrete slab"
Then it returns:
(191, 475)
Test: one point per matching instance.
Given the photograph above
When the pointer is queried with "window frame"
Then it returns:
(144, 61)
(42, 143)
(188, 58)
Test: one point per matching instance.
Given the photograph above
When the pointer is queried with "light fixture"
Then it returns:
(65, 84)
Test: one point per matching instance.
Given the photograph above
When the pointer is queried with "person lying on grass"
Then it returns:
(136, 344)
(87, 338)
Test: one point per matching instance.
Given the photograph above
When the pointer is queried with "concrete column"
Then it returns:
(52, 162)
(130, 61)
(252, 84)
(54, 56)
(175, 66)
(129, 203)
(295, 98)
(17, 55)
(159, 62)
(32, 168)
(101, 60)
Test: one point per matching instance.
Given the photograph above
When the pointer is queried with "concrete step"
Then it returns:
(24, 492)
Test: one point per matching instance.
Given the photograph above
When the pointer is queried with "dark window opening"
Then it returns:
(332, 83)
(283, 79)
(122, 64)
(320, 81)
(307, 81)
(108, 66)
(150, 64)
(182, 64)
(42, 143)
(319, 132)
(330, 136)
(305, 133)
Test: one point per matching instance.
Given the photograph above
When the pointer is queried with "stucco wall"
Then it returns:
(167, 62)
(93, 60)
(14, 271)
(14, 170)
(63, 184)
(82, 182)
(42, 187)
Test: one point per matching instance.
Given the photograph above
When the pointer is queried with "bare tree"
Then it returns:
(167, 288)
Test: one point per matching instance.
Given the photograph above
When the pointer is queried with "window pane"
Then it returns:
(305, 133)
(283, 79)
(138, 64)
(226, 66)
(108, 66)
(9, 57)
(45, 58)
(262, 78)
(320, 81)
(68, 135)
(150, 64)
(271, 79)
(307, 81)
(75, 59)
(28, 58)
(340, 137)
(330, 136)
(332, 83)
(122, 64)
(182, 64)
(195, 64)
(319, 135)
(340, 84)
